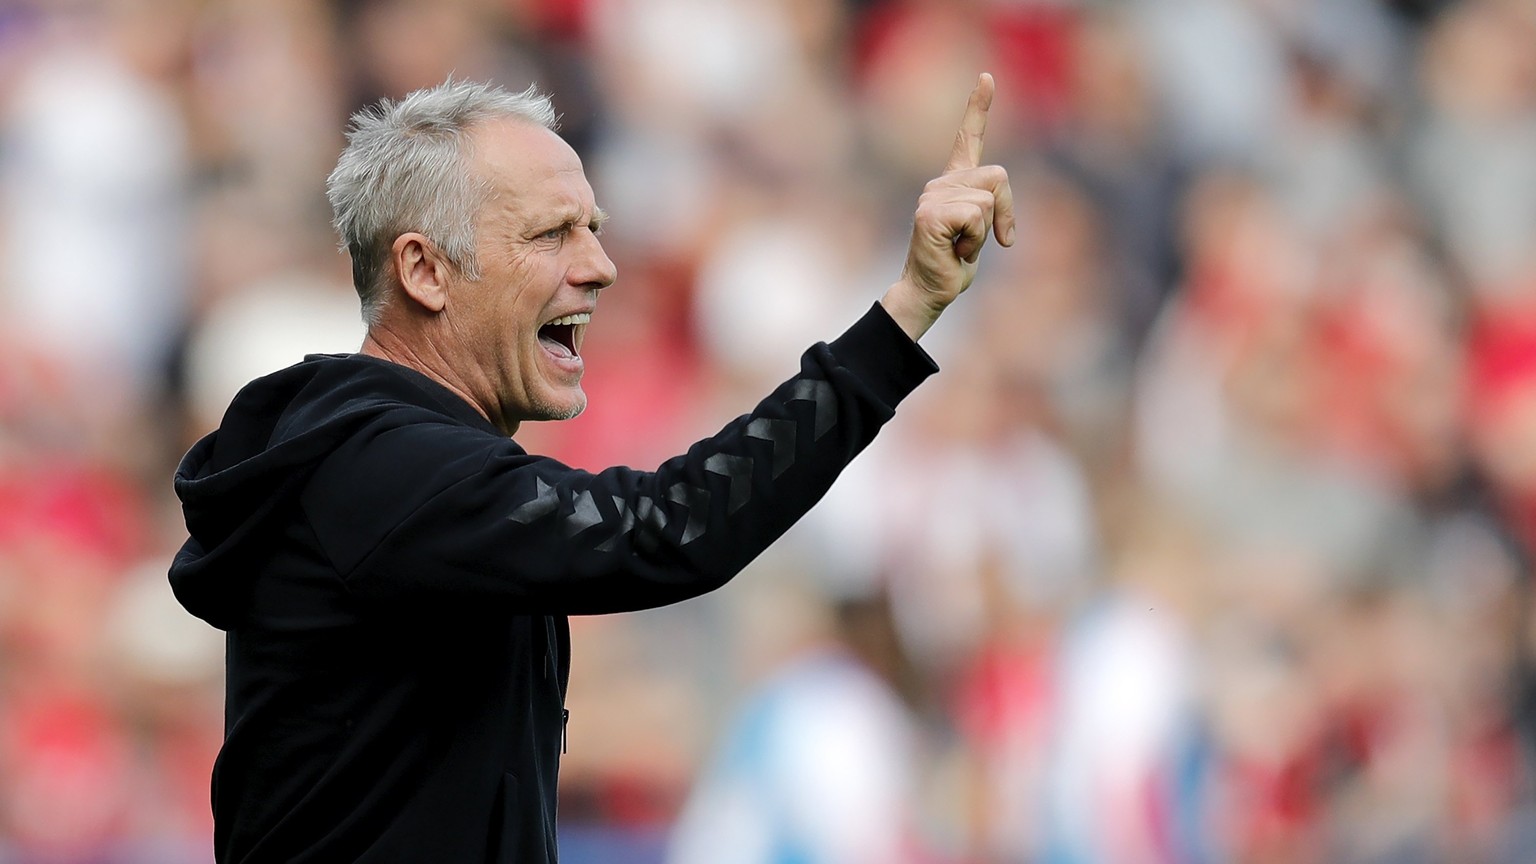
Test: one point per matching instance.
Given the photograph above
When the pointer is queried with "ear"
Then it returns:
(423, 271)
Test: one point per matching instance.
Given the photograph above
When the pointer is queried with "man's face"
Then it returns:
(521, 324)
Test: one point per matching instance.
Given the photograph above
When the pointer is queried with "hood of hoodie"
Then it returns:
(239, 484)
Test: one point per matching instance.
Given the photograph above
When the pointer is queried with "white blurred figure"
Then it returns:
(710, 101)
(1473, 158)
(1124, 699)
(692, 58)
(766, 284)
(93, 204)
(676, 71)
(1221, 68)
(263, 327)
(817, 767)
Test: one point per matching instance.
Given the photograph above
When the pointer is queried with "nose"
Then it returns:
(593, 269)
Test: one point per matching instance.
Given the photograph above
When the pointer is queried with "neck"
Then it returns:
(383, 342)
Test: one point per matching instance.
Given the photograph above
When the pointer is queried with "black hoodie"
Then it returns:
(393, 575)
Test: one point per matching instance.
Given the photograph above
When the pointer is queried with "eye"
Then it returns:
(557, 233)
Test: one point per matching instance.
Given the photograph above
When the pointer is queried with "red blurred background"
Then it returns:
(1212, 542)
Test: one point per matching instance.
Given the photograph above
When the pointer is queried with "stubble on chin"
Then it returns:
(566, 410)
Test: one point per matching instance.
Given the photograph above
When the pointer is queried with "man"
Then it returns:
(393, 571)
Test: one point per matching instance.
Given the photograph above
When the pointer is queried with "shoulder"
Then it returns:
(394, 433)
(326, 389)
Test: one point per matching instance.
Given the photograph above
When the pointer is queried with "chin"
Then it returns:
(564, 409)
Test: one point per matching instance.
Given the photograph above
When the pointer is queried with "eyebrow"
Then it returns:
(599, 217)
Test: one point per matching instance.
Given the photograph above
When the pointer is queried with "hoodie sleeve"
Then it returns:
(439, 511)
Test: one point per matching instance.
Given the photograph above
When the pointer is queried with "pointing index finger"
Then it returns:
(973, 127)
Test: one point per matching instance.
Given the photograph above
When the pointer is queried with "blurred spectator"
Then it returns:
(818, 765)
(1219, 68)
(1118, 147)
(1472, 157)
(262, 328)
(96, 235)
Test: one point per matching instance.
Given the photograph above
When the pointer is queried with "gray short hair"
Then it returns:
(404, 169)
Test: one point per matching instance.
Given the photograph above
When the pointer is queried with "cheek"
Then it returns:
(496, 294)
(515, 281)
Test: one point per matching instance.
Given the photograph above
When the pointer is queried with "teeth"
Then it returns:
(578, 318)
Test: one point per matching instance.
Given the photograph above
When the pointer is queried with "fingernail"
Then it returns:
(1012, 231)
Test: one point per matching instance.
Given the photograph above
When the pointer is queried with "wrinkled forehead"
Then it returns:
(522, 161)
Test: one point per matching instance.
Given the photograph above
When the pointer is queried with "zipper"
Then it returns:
(549, 647)
(565, 722)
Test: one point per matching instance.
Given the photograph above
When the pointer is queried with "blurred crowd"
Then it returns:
(1212, 542)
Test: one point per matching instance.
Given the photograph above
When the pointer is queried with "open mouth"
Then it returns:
(562, 336)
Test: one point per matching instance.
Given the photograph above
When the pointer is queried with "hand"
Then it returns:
(954, 215)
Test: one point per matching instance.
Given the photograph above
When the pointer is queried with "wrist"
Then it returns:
(911, 308)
